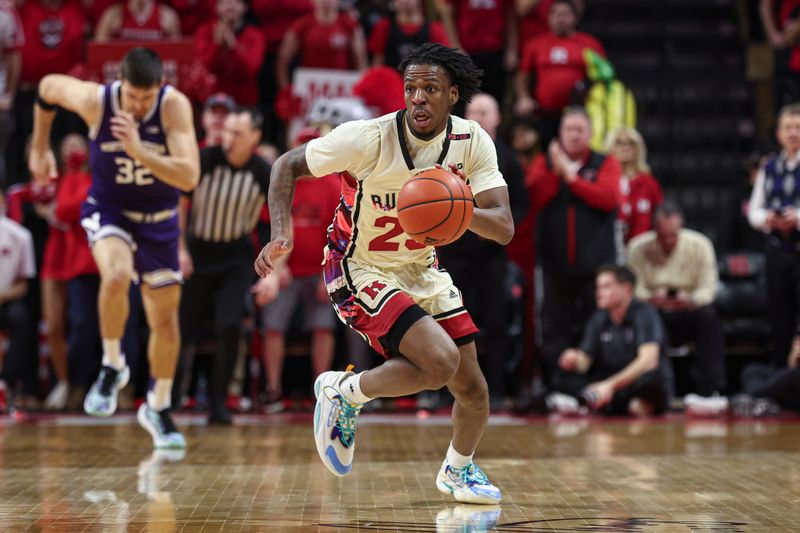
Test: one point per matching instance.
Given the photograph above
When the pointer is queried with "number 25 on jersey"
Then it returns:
(129, 172)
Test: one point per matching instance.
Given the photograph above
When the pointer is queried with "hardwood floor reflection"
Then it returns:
(76, 474)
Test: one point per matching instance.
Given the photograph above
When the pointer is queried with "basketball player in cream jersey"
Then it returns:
(385, 285)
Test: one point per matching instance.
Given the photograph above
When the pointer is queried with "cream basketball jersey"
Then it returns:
(379, 156)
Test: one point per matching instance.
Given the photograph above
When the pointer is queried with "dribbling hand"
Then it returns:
(265, 262)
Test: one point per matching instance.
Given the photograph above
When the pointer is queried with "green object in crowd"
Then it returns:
(598, 68)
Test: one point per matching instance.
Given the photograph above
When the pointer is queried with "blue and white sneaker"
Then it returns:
(335, 423)
(467, 518)
(101, 400)
(161, 427)
(467, 485)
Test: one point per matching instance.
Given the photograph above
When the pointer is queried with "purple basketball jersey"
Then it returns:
(119, 182)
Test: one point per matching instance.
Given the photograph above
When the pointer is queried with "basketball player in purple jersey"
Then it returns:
(143, 154)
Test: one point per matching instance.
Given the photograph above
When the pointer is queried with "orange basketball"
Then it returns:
(435, 207)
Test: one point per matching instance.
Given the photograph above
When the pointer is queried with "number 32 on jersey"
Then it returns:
(129, 172)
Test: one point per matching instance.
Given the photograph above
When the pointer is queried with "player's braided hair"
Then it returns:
(462, 71)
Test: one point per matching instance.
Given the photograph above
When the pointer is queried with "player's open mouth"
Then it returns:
(421, 120)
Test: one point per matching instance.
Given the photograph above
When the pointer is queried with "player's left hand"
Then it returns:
(125, 129)
(600, 394)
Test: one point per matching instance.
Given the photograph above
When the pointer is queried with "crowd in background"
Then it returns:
(581, 211)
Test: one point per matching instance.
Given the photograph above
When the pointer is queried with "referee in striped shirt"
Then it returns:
(218, 252)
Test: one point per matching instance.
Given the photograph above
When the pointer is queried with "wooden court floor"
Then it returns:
(71, 474)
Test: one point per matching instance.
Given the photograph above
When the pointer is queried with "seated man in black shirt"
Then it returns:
(621, 366)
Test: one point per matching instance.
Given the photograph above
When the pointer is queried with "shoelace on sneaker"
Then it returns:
(471, 475)
(108, 381)
(166, 421)
(346, 418)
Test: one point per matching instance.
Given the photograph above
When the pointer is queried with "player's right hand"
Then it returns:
(265, 262)
(42, 164)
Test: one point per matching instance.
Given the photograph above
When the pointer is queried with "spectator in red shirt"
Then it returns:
(486, 30)
(392, 38)
(11, 40)
(70, 287)
(533, 16)
(555, 61)
(576, 192)
(640, 192)
(233, 51)
(138, 20)
(326, 38)
(54, 32)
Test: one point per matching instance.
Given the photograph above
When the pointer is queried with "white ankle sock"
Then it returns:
(351, 389)
(456, 460)
(159, 397)
(111, 354)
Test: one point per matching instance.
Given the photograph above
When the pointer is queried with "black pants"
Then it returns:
(223, 291)
(568, 303)
(84, 347)
(701, 326)
(783, 282)
(16, 320)
(780, 385)
(482, 284)
(653, 387)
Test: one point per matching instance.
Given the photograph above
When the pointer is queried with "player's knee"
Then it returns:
(166, 327)
(444, 365)
(472, 393)
(117, 279)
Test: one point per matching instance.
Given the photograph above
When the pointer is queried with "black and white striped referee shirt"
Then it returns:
(227, 202)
